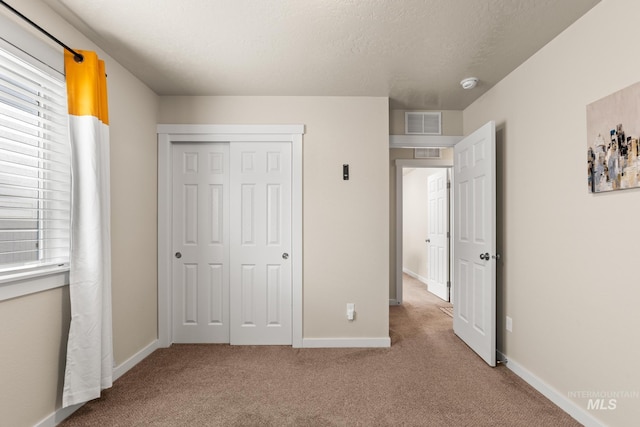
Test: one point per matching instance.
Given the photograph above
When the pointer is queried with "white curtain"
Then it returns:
(89, 367)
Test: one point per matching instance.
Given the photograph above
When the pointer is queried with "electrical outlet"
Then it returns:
(351, 311)
(509, 324)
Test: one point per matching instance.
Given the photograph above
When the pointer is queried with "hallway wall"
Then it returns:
(568, 275)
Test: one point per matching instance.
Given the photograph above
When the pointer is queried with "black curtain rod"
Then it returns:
(76, 56)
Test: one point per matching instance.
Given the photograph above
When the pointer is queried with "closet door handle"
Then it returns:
(285, 256)
(178, 255)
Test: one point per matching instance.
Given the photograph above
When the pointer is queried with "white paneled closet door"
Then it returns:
(437, 241)
(474, 259)
(260, 237)
(200, 235)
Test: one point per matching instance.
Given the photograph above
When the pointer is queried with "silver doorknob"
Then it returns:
(497, 257)
(178, 255)
(285, 256)
(485, 256)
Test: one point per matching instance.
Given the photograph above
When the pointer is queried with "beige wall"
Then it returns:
(132, 112)
(568, 277)
(346, 223)
(33, 333)
(34, 328)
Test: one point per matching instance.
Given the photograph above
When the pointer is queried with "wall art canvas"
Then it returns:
(613, 132)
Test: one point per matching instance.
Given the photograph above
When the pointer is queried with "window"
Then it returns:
(35, 165)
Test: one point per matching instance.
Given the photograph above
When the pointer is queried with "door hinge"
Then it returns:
(449, 284)
(448, 235)
(448, 184)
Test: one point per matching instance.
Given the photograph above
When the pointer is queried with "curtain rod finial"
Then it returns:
(78, 58)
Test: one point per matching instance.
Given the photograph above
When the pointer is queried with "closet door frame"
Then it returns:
(167, 135)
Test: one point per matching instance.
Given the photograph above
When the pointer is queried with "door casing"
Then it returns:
(168, 134)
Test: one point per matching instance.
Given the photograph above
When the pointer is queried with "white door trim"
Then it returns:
(408, 163)
(168, 134)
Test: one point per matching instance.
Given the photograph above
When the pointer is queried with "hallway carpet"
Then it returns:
(427, 378)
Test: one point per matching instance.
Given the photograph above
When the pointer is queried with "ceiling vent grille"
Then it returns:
(427, 153)
(423, 123)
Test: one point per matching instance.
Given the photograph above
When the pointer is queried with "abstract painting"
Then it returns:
(613, 132)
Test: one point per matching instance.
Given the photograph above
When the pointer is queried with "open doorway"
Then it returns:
(423, 228)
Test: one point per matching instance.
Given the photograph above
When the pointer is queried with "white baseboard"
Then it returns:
(561, 400)
(346, 342)
(63, 413)
(58, 416)
(414, 275)
(125, 366)
(438, 290)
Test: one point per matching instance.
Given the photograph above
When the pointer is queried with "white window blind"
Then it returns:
(35, 165)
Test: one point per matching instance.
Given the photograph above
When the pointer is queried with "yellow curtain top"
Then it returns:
(87, 86)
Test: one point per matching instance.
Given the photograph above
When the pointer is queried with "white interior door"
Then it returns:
(260, 243)
(437, 240)
(474, 269)
(200, 235)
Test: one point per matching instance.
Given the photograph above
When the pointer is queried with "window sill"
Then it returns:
(25, 283)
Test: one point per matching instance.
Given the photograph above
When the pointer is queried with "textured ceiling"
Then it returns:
(414, 51)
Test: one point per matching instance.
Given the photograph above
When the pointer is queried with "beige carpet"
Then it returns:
(427, 378)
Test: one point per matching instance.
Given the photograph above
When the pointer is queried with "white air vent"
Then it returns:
(427, 153)
(423, 123)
